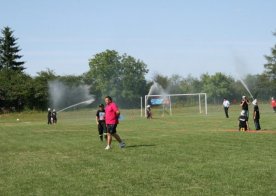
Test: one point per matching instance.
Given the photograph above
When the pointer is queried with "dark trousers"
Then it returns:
(49, 120)
(226, 112)
(102, 129)
(257, 124)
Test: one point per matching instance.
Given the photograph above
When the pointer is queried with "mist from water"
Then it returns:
(62, 96)
(157, 89)
(241, 70)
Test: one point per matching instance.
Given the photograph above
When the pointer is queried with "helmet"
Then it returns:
(242, 113)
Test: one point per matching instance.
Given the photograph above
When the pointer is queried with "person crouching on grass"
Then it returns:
(243, 121)
(112, 114)
(100, 119)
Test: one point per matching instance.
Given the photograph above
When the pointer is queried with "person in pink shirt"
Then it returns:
(273, 104)
(112, 114)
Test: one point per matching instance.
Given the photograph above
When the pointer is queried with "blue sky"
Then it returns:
(172, 37)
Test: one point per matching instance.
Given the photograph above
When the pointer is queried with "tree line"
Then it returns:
(121, 76)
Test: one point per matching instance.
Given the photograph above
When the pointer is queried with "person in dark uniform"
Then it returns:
(243, 121)
(256, 115)
(49, 116)
(244, 104)
(54, 116)
(100, 119)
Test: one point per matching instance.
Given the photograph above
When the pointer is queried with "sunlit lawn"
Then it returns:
(184, 154)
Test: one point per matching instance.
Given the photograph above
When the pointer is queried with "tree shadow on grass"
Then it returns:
(140, 145)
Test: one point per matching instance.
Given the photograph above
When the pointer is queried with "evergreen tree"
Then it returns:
(9, 57)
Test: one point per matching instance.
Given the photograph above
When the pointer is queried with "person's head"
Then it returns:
(255, 102)
(243, 97)
(101, 106)
(54, 110)
(49, 109)
(148, 106)
(107, 99)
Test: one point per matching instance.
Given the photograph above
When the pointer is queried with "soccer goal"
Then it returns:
(177, 103)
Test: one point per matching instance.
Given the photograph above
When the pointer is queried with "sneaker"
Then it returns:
(122, 144)
(107, 147)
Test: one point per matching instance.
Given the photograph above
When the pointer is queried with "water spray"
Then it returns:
(246, 87)
(61, 95)
(87, 102)
(239, 62)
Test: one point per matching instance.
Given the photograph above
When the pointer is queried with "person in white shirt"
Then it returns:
(226, 105)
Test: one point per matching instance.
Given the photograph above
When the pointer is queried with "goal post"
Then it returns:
(166, 101)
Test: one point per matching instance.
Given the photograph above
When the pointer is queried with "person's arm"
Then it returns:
(254, 115)
(118, 114)
(242, 102)
(97, 117)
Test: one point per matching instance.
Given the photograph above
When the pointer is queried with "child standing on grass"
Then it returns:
(100, 120)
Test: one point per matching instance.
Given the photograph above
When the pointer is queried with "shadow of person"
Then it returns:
(140, 145)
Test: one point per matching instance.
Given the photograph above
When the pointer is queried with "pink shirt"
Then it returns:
(110, 113)
(273, 103)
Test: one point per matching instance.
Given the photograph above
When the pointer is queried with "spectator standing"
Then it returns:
(273, 104)
(226, 105)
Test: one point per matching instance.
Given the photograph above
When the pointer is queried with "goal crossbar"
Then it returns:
(176, 95)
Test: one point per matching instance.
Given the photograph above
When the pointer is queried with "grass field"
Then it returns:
(184, 154)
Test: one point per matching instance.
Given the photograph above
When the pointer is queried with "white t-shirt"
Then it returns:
(226, 103)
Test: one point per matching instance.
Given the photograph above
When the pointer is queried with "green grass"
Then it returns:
(184, 154)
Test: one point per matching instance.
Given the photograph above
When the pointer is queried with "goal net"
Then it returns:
(174, 104)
